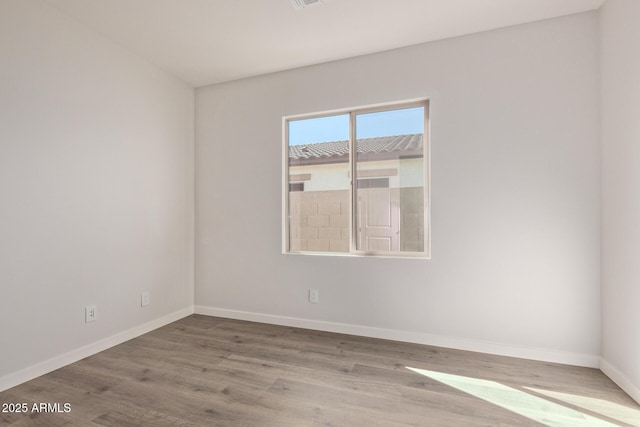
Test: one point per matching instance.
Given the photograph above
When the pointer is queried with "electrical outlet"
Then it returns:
(313, 296)
(90, 313)
(144, 299)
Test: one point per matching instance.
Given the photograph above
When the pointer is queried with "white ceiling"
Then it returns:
(211, 41)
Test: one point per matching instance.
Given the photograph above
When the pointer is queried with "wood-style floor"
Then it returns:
(207, 371)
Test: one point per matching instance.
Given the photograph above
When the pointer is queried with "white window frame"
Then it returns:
(419, 102)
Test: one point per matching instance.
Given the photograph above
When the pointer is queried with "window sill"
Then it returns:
(408, 255)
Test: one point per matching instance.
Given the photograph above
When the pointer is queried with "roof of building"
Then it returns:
(380, 148)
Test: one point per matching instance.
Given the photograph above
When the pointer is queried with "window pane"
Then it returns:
(319, 208)
(390, 181)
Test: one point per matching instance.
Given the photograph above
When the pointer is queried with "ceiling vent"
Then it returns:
(301, 4)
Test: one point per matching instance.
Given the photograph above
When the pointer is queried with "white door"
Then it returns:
(378, 219)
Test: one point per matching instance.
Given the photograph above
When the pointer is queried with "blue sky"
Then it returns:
(336, 128)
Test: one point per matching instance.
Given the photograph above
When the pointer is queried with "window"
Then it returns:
(296, 186)
(364, 176)
(373, 182)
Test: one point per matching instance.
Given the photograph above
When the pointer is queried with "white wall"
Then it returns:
(515, 186)
(620, 92)
(96, 191)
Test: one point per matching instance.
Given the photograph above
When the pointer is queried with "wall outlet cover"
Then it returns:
(144, 299)
(314, 296)
(90, 313)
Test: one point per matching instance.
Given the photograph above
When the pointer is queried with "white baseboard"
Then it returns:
(545, 355)
(72, 356)
(619, 378)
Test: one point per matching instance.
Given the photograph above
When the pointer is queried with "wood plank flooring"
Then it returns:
(207, 371)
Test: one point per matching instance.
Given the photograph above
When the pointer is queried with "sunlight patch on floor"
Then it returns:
(608, 409)
(517, 401)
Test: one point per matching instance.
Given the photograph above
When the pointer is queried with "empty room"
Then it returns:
(319, 213)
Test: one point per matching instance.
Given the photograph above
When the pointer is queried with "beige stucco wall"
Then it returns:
(319, 220)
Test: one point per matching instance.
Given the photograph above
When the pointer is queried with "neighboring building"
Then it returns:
(324, 165)
(390, 194)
